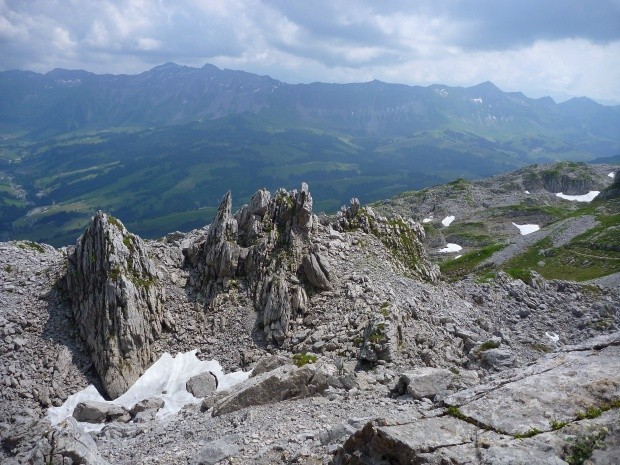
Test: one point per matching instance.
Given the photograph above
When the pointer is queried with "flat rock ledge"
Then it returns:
(547, 413)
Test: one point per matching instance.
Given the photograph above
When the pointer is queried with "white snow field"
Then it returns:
(589, 197)
(449, 248)
(525, 229)
(165, 379)
(447, 220)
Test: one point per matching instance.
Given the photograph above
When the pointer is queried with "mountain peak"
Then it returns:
(486, 86)
(166, 66)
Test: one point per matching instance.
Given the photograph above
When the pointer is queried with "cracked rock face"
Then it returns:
(116, 301)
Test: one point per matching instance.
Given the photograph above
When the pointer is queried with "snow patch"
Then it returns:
(447, 220)
(612, 175)
(476, 100)
(165, 379)
(458, 256)
(579, 198)
(449, 248)
(525, 229)
(427, 220)
(554, 337)
(527, 192)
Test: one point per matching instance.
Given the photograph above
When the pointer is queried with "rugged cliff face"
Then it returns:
(116, 301)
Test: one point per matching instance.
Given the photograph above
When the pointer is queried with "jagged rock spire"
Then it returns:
(268, 242)
(116, 301)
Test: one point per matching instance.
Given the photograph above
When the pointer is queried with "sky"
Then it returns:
(557, 48)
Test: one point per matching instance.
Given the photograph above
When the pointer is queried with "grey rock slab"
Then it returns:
(286, 382)
(100, 412)
(425, 382)
(564, 385)
(269, 363)
(403, 444)
(65, 444)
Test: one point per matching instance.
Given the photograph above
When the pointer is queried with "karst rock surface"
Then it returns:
(116, 300)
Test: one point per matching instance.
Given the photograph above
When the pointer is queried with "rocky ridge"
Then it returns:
(370, 325)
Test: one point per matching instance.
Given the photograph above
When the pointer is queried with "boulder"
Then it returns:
(202, 385)
(100, 412)
(285, 382)
(66, 443)
(424, 382)
(153, 403)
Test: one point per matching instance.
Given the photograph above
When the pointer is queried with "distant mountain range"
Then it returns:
(62, 101)
(157, 149)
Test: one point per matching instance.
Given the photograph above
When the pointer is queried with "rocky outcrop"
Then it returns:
(540, 414)
(268, 243)
(65, 443)
(569, 179)
(116, 301)
(403, 237)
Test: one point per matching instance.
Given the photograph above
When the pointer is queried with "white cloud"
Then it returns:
(455, 43)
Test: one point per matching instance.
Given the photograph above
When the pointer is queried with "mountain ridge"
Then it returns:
(173, 94)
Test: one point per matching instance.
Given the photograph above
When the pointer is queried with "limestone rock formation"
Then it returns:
(116, 300)
(538, 414)
(65, 443)
(268, 243)
(403, 237)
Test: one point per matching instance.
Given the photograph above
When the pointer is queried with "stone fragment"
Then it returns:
(497, 358)
(316, 270)
(269, 363)
(202, 385)
(217, 450)
(153, 403)
(100, 412)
